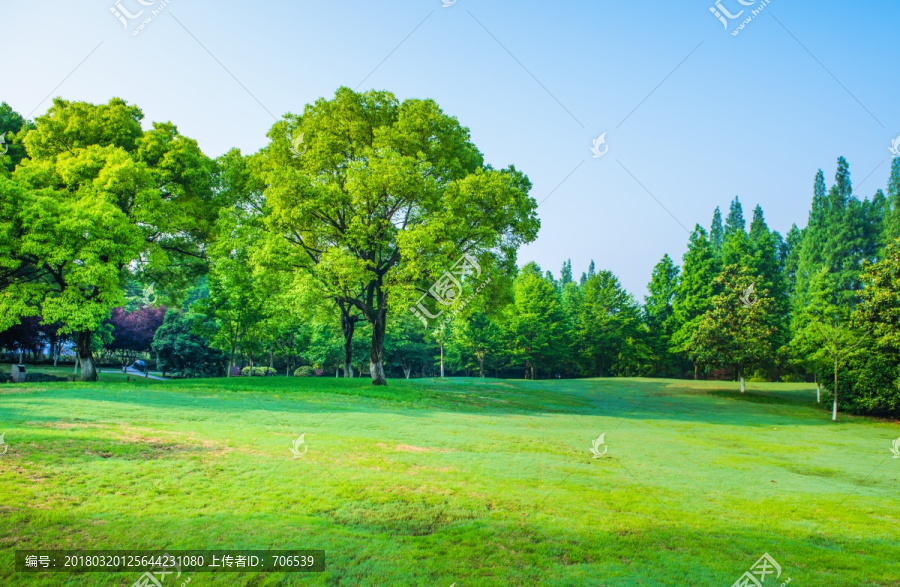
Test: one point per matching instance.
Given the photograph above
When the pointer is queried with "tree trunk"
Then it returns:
(696, 368)
(376, 367)
(231, 361)
(250, 355)
(481, 364)
(818, 389)
(442, 359)
(271, 359)
(743, 387)
(86, 356)
(834, 410)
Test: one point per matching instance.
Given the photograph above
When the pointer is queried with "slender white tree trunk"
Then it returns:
(743, 386)
(834, 409)
(442, 359)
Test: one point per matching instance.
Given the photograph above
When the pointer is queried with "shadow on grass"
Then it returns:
(639, 399)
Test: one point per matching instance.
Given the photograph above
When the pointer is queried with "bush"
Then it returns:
(759, 376)
(258, 371)
(43, 378)
(34, 378)
(305, 372)
(180, 350)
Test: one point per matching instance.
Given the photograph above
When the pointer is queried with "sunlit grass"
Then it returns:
(477, 482)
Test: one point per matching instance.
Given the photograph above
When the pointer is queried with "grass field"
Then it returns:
(464, 481)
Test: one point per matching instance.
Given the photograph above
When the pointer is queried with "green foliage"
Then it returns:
(97, 200)
(538, 327)
(608, 333)
(258, 371)
(13, 129)
(387, 194)
(732, 333)
(304, 372)
(180, 350)
(695, 290)
(659, 314)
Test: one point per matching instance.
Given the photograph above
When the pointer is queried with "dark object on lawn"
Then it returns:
(235, 371)
(18, 374)
(138, 365)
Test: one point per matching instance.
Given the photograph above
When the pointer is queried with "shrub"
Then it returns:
(258, 371)
(43, 378)
(180, 350)
(305, 372)
(759, 376)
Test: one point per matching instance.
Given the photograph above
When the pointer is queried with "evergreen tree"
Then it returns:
(565, 274)
(717, 232)
(538, 325)
(609, 330)
(694, 293)
(735, 221)
(792, 257)
(764, 248)
(658, 313)
(892, 212)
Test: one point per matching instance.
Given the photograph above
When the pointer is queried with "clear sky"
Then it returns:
(693, 114)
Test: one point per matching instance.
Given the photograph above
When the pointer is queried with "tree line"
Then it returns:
(336, 247)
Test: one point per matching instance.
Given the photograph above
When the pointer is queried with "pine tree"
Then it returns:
(611, 335)
(658, 313)
(565, 274)
(735, 221)
(717, 232)
(892, 213)
(538, 325)
(793, 243)
(694, 293)
(764, 248)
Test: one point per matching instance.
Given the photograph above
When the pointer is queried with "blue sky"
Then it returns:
(693, 114)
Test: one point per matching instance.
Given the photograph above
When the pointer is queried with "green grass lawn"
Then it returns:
(459, 481)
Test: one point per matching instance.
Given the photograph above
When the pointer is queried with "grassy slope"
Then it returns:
(434, 482)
